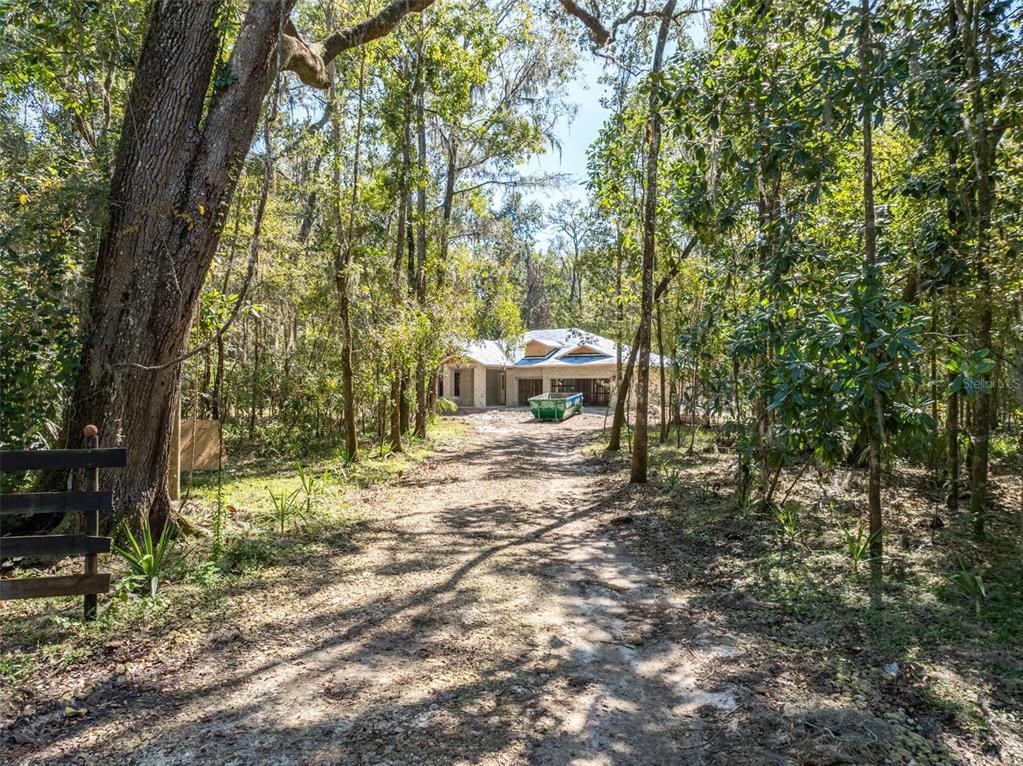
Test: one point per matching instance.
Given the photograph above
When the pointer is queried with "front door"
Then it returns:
(529, 387)
(467, 388)
(495, 388)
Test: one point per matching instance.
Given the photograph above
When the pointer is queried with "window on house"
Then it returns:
(458, 383)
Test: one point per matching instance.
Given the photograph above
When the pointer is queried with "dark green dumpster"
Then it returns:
(555, 406)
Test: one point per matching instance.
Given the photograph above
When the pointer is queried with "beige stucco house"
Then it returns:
(488, 373)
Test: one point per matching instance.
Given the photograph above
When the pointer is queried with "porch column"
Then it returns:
(479, 375)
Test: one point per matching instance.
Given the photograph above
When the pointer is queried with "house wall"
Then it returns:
(479, 384)
(552, 373)
(513, 375)
(547, 374)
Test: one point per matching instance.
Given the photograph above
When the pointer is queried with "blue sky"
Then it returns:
(575, 136)
(585, 92)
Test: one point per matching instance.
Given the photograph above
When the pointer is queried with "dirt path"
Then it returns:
(488, 617)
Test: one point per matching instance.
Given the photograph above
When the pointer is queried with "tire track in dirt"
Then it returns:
(486, 618)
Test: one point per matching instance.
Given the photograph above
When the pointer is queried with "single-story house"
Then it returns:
(488, 373)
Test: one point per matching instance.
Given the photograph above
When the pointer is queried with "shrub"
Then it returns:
(970, 583)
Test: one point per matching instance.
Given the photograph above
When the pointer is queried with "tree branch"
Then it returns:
(602, 36)
(309, 60)
(371, 29)
(598, 33)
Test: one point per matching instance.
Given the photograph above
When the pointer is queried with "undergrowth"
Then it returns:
(42, 637)
(951, 622)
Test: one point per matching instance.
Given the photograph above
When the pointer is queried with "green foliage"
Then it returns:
(969, 369)
(285, 509)
(857, 544)
(787, 516)
(219, 524)
(311, 487)
(147, 559)
(671, 474)
(249, 552)
(969, 582)
(342, 457)
(65, 69)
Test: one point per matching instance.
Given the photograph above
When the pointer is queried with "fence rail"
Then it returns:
(55, 502)
(62, 459)
(88, 503)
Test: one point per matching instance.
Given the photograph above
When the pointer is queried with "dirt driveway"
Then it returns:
(487, 617)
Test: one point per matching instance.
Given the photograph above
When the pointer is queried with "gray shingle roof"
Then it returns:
(564, 340)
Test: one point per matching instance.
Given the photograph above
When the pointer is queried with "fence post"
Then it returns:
(92, 524)
(174, 473)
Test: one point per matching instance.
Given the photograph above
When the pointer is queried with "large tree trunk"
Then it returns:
(639, 452)
(177, 166)
(169, 196)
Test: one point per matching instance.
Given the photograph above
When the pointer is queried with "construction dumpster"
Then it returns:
(555, 406)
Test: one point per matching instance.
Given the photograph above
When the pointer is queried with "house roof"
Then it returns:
(486, 352)
(562, 343)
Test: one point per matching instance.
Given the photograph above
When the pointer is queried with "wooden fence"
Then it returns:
(88, 503)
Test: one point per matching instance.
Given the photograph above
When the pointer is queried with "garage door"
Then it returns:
(529, 387)
(596, 391)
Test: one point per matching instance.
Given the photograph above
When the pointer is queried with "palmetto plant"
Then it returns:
(284, 508)
(858, 543)
(312, 487)
(788, 519)
(147, 560)
(971, 584)
(672, 475)
(342, 456)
